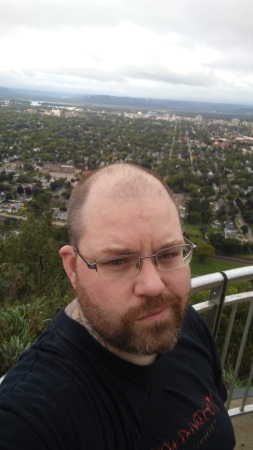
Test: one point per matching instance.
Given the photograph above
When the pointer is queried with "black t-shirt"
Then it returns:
(69, 393)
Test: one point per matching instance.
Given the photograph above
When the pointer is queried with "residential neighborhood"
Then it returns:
(206, 160)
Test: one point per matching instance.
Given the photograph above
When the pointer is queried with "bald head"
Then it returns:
(119, 182)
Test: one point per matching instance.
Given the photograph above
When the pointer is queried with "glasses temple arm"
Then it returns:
(191, 243)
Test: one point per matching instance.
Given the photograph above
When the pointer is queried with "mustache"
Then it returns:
(153, 304)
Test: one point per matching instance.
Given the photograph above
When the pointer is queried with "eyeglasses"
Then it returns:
(127, 266)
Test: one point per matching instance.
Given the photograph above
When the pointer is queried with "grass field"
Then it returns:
(211, 265)
(194, 233)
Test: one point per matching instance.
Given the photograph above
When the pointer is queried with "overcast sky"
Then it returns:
(173, 49)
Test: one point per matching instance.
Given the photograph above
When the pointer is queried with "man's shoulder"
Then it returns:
(192, 317)
(194, 327)
(64, 355)
(42, 362)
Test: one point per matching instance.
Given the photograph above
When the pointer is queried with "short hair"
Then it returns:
(130, 181)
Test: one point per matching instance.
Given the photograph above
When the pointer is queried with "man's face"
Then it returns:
(143, 314)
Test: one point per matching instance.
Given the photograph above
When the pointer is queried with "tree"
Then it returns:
(47, 176)
(40, 203)
(217, 240)
(28, 167)
(194, 205)
(206, 212)
(8, 196)
(194, 217)
(28, 190)
(244, 229)
(204, 251)
(232, 246)
(206, 216)
(203, 230)
(31, 259)
(222, 213)
(20, 189)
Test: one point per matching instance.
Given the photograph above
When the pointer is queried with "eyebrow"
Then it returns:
(117, 251)
(110, 251)
(173, 243)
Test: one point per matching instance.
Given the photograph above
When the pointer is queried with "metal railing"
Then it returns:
(216, 284)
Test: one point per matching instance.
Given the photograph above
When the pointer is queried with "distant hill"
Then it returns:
(31, 94)
(4, 92)
(130, 102)
(174, 105)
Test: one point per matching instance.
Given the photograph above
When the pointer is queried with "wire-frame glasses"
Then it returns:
(127, 266)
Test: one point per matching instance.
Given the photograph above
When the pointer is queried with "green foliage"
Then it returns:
(227, 375)
(217, 240)
(204, 250)
(199, 297)
(31, 262)
(230, 246)
(33, 284)
(236, 337)
(20, 326)
(60, 234)
(237, 333)
(194, 217)
(244, 229)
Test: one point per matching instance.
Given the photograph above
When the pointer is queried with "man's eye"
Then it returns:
(116, 263)
(111, 262)
(169, 255)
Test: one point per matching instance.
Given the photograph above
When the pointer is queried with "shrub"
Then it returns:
(21, 325)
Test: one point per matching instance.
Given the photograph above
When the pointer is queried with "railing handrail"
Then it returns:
(217, 283)
(214, 279)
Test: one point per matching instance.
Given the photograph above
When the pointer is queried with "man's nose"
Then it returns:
(148, 281)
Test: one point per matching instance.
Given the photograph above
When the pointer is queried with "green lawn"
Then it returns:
(211, 265)
(194, 233)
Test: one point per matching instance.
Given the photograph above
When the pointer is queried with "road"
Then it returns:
(249, 234)
(248, 261)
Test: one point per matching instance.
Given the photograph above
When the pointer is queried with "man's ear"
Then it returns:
(69, 263)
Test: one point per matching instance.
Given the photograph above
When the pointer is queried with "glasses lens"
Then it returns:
(173, 257)
(125, 266)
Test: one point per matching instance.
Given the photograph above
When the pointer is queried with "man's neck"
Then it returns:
(74, 311)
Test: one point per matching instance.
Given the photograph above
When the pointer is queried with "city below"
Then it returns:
(205, 157)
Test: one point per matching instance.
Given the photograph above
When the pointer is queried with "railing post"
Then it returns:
(210, 317)
(228, 335)
(220, 305)
(247, 389)
(239, 357)
(217, 296)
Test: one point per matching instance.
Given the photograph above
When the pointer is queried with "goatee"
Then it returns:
(130, 334)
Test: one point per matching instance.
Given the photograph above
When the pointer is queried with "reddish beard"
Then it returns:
(127, 332)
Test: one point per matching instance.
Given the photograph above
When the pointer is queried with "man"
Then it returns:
(129, 364)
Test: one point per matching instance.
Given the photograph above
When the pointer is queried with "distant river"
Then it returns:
(35, 103)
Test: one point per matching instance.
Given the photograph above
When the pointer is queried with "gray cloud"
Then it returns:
(122, 74)
(237, 59)
(225, 27)
(161, 73)
(209, 21)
